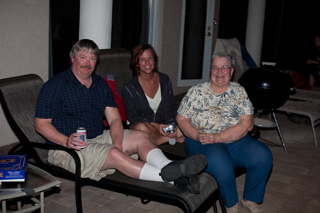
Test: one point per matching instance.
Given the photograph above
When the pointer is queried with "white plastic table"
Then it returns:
(36, 181)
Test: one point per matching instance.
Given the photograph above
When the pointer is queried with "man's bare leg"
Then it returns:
(155, 166)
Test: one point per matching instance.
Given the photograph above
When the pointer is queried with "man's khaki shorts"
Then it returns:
(92, 157)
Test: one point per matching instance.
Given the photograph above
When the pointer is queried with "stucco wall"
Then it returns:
(24, 45)
(170, 44)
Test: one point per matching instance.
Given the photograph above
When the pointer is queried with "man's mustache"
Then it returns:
(86, 66)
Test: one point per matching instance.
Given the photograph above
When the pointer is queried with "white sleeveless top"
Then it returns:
(154, 102)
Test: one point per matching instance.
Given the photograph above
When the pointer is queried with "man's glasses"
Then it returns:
(223, 69)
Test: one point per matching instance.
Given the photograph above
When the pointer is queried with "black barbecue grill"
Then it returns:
(268, 89)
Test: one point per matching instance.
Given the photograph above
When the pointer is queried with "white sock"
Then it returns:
(156, 158)
(151, 173)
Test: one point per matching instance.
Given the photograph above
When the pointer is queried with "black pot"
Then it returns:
(267, 89)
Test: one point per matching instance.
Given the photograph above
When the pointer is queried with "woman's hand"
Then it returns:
(168, 134)
(205, 138)
(173, 135)
(161, 129)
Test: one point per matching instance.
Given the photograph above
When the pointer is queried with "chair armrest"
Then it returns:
(49, 146)
(71, 152)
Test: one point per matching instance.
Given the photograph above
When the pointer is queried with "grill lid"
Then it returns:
(267, 89)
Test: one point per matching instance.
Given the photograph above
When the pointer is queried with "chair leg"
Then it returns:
(214, 206)
(314, 132)
(222, 206)
(78, 196)
(278, 128)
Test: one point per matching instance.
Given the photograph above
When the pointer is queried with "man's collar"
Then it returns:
(74, 79)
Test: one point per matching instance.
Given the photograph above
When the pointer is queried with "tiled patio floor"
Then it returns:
(294, 185)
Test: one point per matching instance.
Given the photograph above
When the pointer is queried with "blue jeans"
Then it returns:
(246, 153)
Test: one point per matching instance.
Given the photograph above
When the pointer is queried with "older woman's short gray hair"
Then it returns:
(224, 55)
(85, 44)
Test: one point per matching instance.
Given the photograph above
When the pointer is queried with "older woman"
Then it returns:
(148, 97)
(215, 117)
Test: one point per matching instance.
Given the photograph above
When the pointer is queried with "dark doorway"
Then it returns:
(289, 29)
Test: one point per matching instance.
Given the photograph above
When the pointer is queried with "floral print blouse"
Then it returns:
(211, 112)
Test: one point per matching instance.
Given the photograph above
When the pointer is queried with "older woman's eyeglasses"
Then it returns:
(223, 69)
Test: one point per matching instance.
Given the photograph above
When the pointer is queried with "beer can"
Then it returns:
(83, 136)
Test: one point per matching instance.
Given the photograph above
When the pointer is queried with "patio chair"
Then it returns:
(115, 61)
(18, 96)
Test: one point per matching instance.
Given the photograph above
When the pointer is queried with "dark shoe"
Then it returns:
(189, 184)
(295, 119)
(190, 166)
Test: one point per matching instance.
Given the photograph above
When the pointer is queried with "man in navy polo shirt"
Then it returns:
(78, 98)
